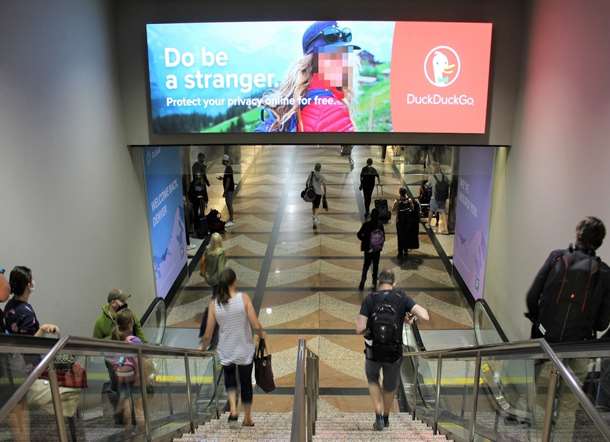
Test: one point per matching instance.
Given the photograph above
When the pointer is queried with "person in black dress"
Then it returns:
(407, 224)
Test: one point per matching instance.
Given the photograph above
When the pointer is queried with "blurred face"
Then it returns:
(5, 289)
(116, 305)
(337, 67)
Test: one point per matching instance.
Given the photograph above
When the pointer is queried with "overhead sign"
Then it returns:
(346, 76)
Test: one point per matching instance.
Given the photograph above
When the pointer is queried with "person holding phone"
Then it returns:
(106, 321)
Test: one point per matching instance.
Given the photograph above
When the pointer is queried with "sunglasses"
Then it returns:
(333, 34)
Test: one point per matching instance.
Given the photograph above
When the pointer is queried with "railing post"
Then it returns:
(189, 397)
(415, 371)
(142, 374)
(550, 401)
(214, 386)
(439, 370)
(57, 407)
(475, 396)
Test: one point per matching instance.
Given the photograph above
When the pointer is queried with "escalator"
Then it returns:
(440, 389)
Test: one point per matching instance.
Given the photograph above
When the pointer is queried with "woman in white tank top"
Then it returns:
(233, 312)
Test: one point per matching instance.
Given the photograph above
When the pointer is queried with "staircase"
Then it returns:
(335, 427)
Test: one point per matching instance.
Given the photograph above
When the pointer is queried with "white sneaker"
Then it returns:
(316, 220)
(229, 224)
(191, 247)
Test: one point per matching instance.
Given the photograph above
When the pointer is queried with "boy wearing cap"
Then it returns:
(228, 185)
(106, 321)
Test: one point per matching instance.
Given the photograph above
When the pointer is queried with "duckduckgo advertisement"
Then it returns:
(329, 76)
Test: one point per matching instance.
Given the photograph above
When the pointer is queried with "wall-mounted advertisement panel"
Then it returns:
(165, 206)
(472, 216)
(346, 76)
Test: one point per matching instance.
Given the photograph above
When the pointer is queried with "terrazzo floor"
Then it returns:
(303, 282)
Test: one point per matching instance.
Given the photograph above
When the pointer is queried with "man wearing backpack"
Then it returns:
(367, 184)
(381, 319)
(569, 301)
(372, 238)
(440, 195)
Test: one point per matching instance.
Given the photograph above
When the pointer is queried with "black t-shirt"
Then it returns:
(227, 180)
(367, 177)
(2, 326)
(400, 301)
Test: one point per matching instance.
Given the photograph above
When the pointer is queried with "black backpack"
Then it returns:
(384, 328)
(441, 191)
(567, 310)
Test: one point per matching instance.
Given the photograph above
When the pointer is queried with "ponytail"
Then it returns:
(226, 280)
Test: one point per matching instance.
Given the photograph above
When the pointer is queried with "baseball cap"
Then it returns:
(325, 35)
(117, 294)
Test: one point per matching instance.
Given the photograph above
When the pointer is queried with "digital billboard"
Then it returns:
(472, 216)
(345, 76)
(165, 207)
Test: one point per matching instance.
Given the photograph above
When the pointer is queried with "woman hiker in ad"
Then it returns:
(322, 84)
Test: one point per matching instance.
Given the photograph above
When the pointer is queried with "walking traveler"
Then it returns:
(200, 167)
(367, 184)
(198, 195)
(106, 321)
(569, 301)
(372, 238)
(228, 187)
(381, 319)
(407, 224)
(318, 183)
(232, 310)
(438, 202)
(213, 262)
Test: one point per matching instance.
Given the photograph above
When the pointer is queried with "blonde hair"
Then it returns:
(215, 246)
(295, 86)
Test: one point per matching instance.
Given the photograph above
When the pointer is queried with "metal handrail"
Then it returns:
(306, 392)
(485, 306)
(75, 344)
(523, 347)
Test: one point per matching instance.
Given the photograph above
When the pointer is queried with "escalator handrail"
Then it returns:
(150, 309)
(528, 346)
(74, 344)
(418, 339)
(492, 318)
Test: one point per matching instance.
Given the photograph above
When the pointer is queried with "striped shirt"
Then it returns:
(235, 343)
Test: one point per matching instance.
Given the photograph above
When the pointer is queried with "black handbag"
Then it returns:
(263, 373)
(309, 194)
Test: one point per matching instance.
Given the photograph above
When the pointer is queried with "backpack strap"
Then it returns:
(593, 268)
(566, 260)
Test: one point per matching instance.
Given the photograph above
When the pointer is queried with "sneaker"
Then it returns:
(379, 423)
(191, 247)
(229, 224)
(386, 421)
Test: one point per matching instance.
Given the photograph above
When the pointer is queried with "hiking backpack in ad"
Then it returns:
(567, 312)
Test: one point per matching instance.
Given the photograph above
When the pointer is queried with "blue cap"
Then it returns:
(313, 40)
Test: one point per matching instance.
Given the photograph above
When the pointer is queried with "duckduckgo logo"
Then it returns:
(442, 66)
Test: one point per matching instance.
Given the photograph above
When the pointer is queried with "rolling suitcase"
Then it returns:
(382, 207)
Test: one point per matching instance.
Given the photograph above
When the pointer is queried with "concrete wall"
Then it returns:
(558, 169)
(71, 207)
(508, 19)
